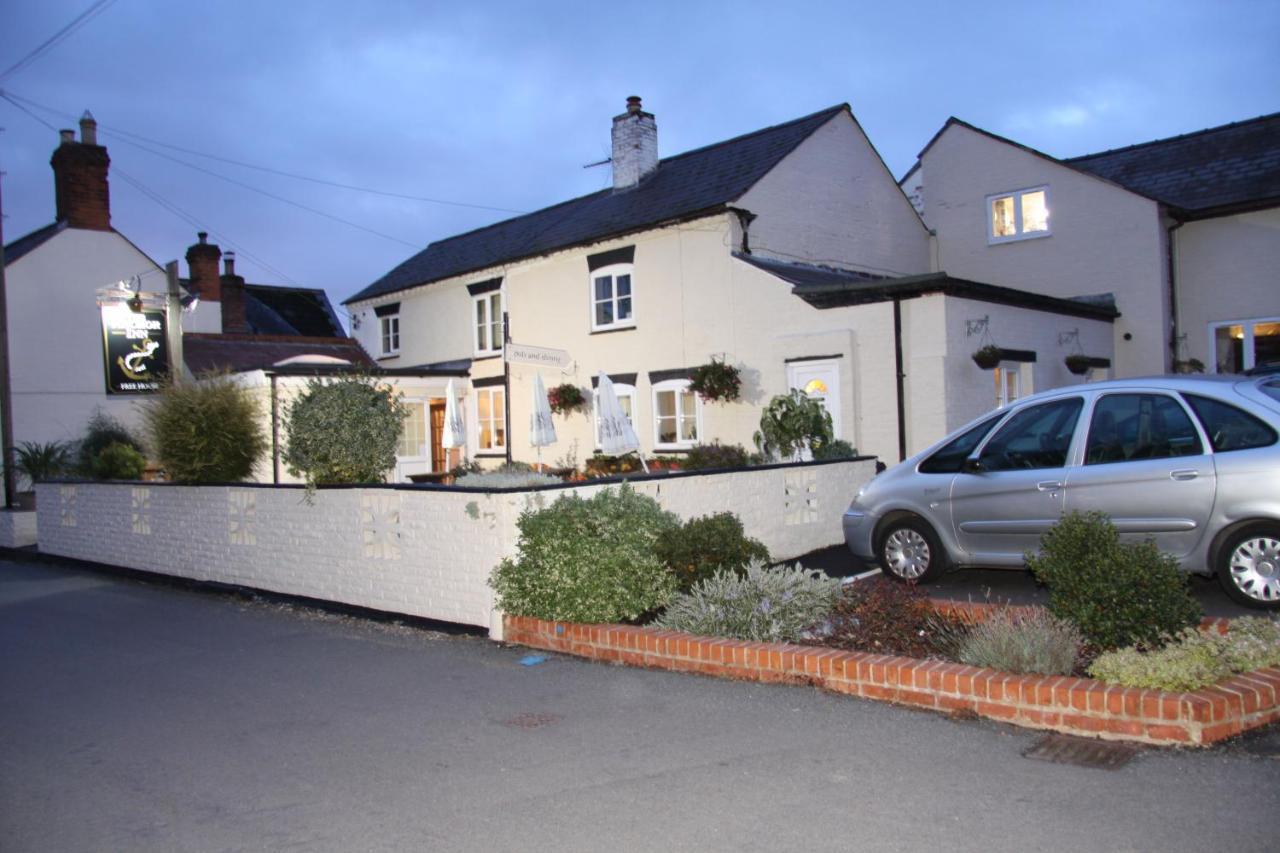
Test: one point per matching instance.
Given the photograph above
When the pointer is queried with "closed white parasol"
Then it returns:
(541, 430)
(617, 436)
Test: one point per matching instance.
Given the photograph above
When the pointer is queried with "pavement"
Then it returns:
(138, 716)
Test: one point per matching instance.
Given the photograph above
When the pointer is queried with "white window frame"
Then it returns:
(676, 385)
(1019, 234)
(1250, 358)
(497, 417)
(1002, 374)
(621, 390)
(389, 334)
(488, 300)
(612, 271)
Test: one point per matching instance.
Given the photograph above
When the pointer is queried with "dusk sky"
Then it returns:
(497, 107)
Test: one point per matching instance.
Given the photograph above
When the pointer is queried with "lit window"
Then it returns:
(390, 327)
(1008, 385)
(611, 301)
(626, 399)
(1242, 345)
(488, 322)
(491, 419)
(413, 435)
(676, 413)
(1018, 215)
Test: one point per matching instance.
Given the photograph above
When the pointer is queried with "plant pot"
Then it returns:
(25, 500)
(988, 357)
(1077, 364)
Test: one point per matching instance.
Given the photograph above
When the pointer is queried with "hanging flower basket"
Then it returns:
(563, 399)
(988, 357)
(1078, 364)
(716, 381)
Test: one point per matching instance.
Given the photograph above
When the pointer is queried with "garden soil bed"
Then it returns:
(1080, 706)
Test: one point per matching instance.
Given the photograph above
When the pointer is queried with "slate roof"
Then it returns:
(34, 240)
(685, 186)
(827, 287)
(203, 351)
(273, 310)
(1207, 172)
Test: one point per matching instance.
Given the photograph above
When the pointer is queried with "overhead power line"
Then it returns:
(95, 9)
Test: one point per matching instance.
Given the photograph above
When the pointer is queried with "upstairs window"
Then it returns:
(390, 333)
(1018, 215)
(611, 300)
(487, 314)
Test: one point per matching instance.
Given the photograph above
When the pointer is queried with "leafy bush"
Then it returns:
(206, 432)
(1194, 658)
(343, 431)
(763, 604)
(791, 424)
(118, 461)
(705, 545)
(715, 455)
(1021, 642)
(604, 465)
(887, 617)
(1117, 594)
(588, 560)
(101, 432)
(837, 448)
(37, 461)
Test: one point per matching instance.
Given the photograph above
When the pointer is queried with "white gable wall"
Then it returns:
(1103, 238)
(832, 201)
(55, 332)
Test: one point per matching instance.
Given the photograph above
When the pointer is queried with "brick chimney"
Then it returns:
(635, 145)
(202, 261)
(233, 313)
(80, 178)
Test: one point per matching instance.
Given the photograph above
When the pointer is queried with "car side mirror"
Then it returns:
(972, 465)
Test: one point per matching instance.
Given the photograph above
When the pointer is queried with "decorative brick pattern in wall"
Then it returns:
(242, 513)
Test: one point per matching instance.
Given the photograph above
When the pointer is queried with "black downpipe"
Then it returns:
(897, 366)
(506, 380)
(275, 433)
(1173, 294)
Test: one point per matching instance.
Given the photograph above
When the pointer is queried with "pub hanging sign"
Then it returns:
(135, 349)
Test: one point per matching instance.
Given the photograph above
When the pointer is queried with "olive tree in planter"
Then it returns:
(791, 424)
(716, 381)
(343, 431)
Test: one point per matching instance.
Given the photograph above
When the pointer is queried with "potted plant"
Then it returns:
(37, 461)
(1190, 365)
(565, 398)
(716, 381)
(988, 356)
(1078, 363)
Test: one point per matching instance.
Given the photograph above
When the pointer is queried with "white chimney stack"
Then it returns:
(635, 145)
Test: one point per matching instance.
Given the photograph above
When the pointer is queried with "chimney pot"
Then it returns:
(203, 236)
(88, 129)
(229, 263)
(66, 135)
(633, 104)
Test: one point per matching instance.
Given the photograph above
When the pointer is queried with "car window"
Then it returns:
(1127, 427)
(1230, 428)
(1271, 388)
(1036, 437)
(948, 458)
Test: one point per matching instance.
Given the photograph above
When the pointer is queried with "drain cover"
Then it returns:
(531, 720)
(1082, 752)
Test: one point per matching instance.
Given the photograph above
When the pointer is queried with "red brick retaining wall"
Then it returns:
(1079, 706)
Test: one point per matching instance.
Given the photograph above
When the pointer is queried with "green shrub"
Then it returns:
(588, 560)
(1033, 641)
(715, 455)
(705, 545)
(206, 432)
(118, 461)
(763, 604)
(37, 461)
(887, 617)
(1117, 594)
(791, 424)
(1194, 659)
(837, 448)
(343, 431)
(101, 432)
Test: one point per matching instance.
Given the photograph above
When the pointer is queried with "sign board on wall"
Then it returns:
(542, 356)
(135, 349)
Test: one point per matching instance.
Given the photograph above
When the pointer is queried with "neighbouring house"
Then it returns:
(790, 252)
(1183, 232)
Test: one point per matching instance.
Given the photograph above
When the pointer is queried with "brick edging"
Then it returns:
(1079, 706)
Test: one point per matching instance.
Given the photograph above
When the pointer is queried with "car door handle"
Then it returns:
(1184, 474)
(1049, 486)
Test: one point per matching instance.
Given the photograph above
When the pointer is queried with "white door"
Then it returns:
(821, 381)
(413, 453)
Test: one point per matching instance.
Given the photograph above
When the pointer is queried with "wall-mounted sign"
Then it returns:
(135, 349)
(525, 354)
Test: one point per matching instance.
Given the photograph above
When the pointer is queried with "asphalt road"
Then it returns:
(140, 717)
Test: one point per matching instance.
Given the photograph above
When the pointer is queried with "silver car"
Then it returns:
(1191, 462)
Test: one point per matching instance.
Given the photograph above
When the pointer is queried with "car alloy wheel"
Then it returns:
(907, 553)
(1254, 565)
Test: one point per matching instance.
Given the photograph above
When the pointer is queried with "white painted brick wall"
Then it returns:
(17, 528)
(421, 552)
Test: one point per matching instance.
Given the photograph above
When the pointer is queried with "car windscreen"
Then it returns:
(948, 458)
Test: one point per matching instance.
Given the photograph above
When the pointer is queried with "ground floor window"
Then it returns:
(491, 419)
(413, 435)
(676, 415)
(1008, 385)
(626, 395)
(1240, 345)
